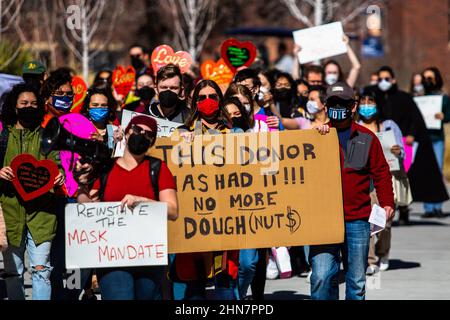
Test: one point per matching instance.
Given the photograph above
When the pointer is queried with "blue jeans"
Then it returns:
(325, 263)
(13, 259)
(178, 288)
(225, 289)
(248, 259)
(439, 151)
(137, 283)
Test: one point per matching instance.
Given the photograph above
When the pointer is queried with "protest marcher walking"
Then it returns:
(208, 116)
(371, 119)
(128, 180)
(433, 83)
(30, 225)
(362, 161)
(425, 178)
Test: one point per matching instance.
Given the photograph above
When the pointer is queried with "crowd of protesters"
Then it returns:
(296, 97)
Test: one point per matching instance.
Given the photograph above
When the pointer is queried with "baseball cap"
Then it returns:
(340, 90)
(33, 67)
(144, 120)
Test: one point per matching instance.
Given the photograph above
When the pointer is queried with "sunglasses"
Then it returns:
(138, 130)
(64, 93)
(386, 79)
(213, 96)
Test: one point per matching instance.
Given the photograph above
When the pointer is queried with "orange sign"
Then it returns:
(216, 71)
(123, 79)
(164, 55)
(79, 89)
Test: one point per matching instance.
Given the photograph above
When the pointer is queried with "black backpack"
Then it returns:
(155, 167)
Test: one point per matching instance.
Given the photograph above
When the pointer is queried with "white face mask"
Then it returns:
(248, 107)
(384, 85)
(331, 78)
(418, 88)
(312, 107)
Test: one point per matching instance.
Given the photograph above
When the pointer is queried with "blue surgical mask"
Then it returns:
(98, 114)
(367, 111)
(312, 107)
(63, 103)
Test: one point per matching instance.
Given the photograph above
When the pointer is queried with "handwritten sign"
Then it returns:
(387, 140)
(164, 55)
(429, 106)
(100, 235)
(165, 129)
(32, 177)
(254, 190)
(79, 89)
(123, 79)
(237, 54)
(216, 71)
(320, 42)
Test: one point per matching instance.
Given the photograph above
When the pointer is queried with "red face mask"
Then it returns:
(208, 107)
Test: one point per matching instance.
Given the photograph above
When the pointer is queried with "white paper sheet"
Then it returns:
(429, 106)
(377, 219)
(387, 140)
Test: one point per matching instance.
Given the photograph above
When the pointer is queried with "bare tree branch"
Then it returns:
(358, 10)
(295, 11)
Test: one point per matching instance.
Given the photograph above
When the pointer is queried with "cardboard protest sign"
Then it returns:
(123, 79)
(254, 190)
(237, 54)
(100, 235)
(164, 54)
(165, 128)
(429, 106)
(80, 127)
(216, 71)
(320, 42)
(32, 177)
(79, 88)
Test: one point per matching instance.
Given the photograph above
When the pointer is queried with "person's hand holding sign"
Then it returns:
(273, 122)
(132, 201)
(323, 129)
(6, 173)
(82, 172)
(60, 179)
(439, 116)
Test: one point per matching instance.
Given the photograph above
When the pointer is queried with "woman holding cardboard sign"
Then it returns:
(132, 179)
(30, 225)
(195, 269)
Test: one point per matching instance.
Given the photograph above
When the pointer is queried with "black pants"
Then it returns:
(259, 280)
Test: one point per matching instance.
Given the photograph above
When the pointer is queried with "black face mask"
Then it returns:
(137, 63)
(168, 99)
(239, 122)
(282, 94)
(146, 93)
(29, 117)
(138, 144)
(429, 85)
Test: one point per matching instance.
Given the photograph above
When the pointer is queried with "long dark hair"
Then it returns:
(112, 104)
(9, 113)
(437, 77)
(235, 89)
(234, 100)
(194, 110)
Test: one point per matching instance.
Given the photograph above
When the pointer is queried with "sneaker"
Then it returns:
(308, 278)
(428, 215)
(384, 264)
(371, 270)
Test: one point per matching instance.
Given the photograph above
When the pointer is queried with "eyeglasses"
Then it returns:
(213, 96)
(64, 93)
(138, 130)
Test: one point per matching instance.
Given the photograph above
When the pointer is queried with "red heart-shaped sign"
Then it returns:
(238, 54)
(79, 89)
(216, 71)
(32, 177)
(164, 54)
(123, 79)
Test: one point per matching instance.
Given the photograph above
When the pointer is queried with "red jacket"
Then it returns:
(364, 161)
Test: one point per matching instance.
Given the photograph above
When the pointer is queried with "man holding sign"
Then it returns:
(362, 161)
